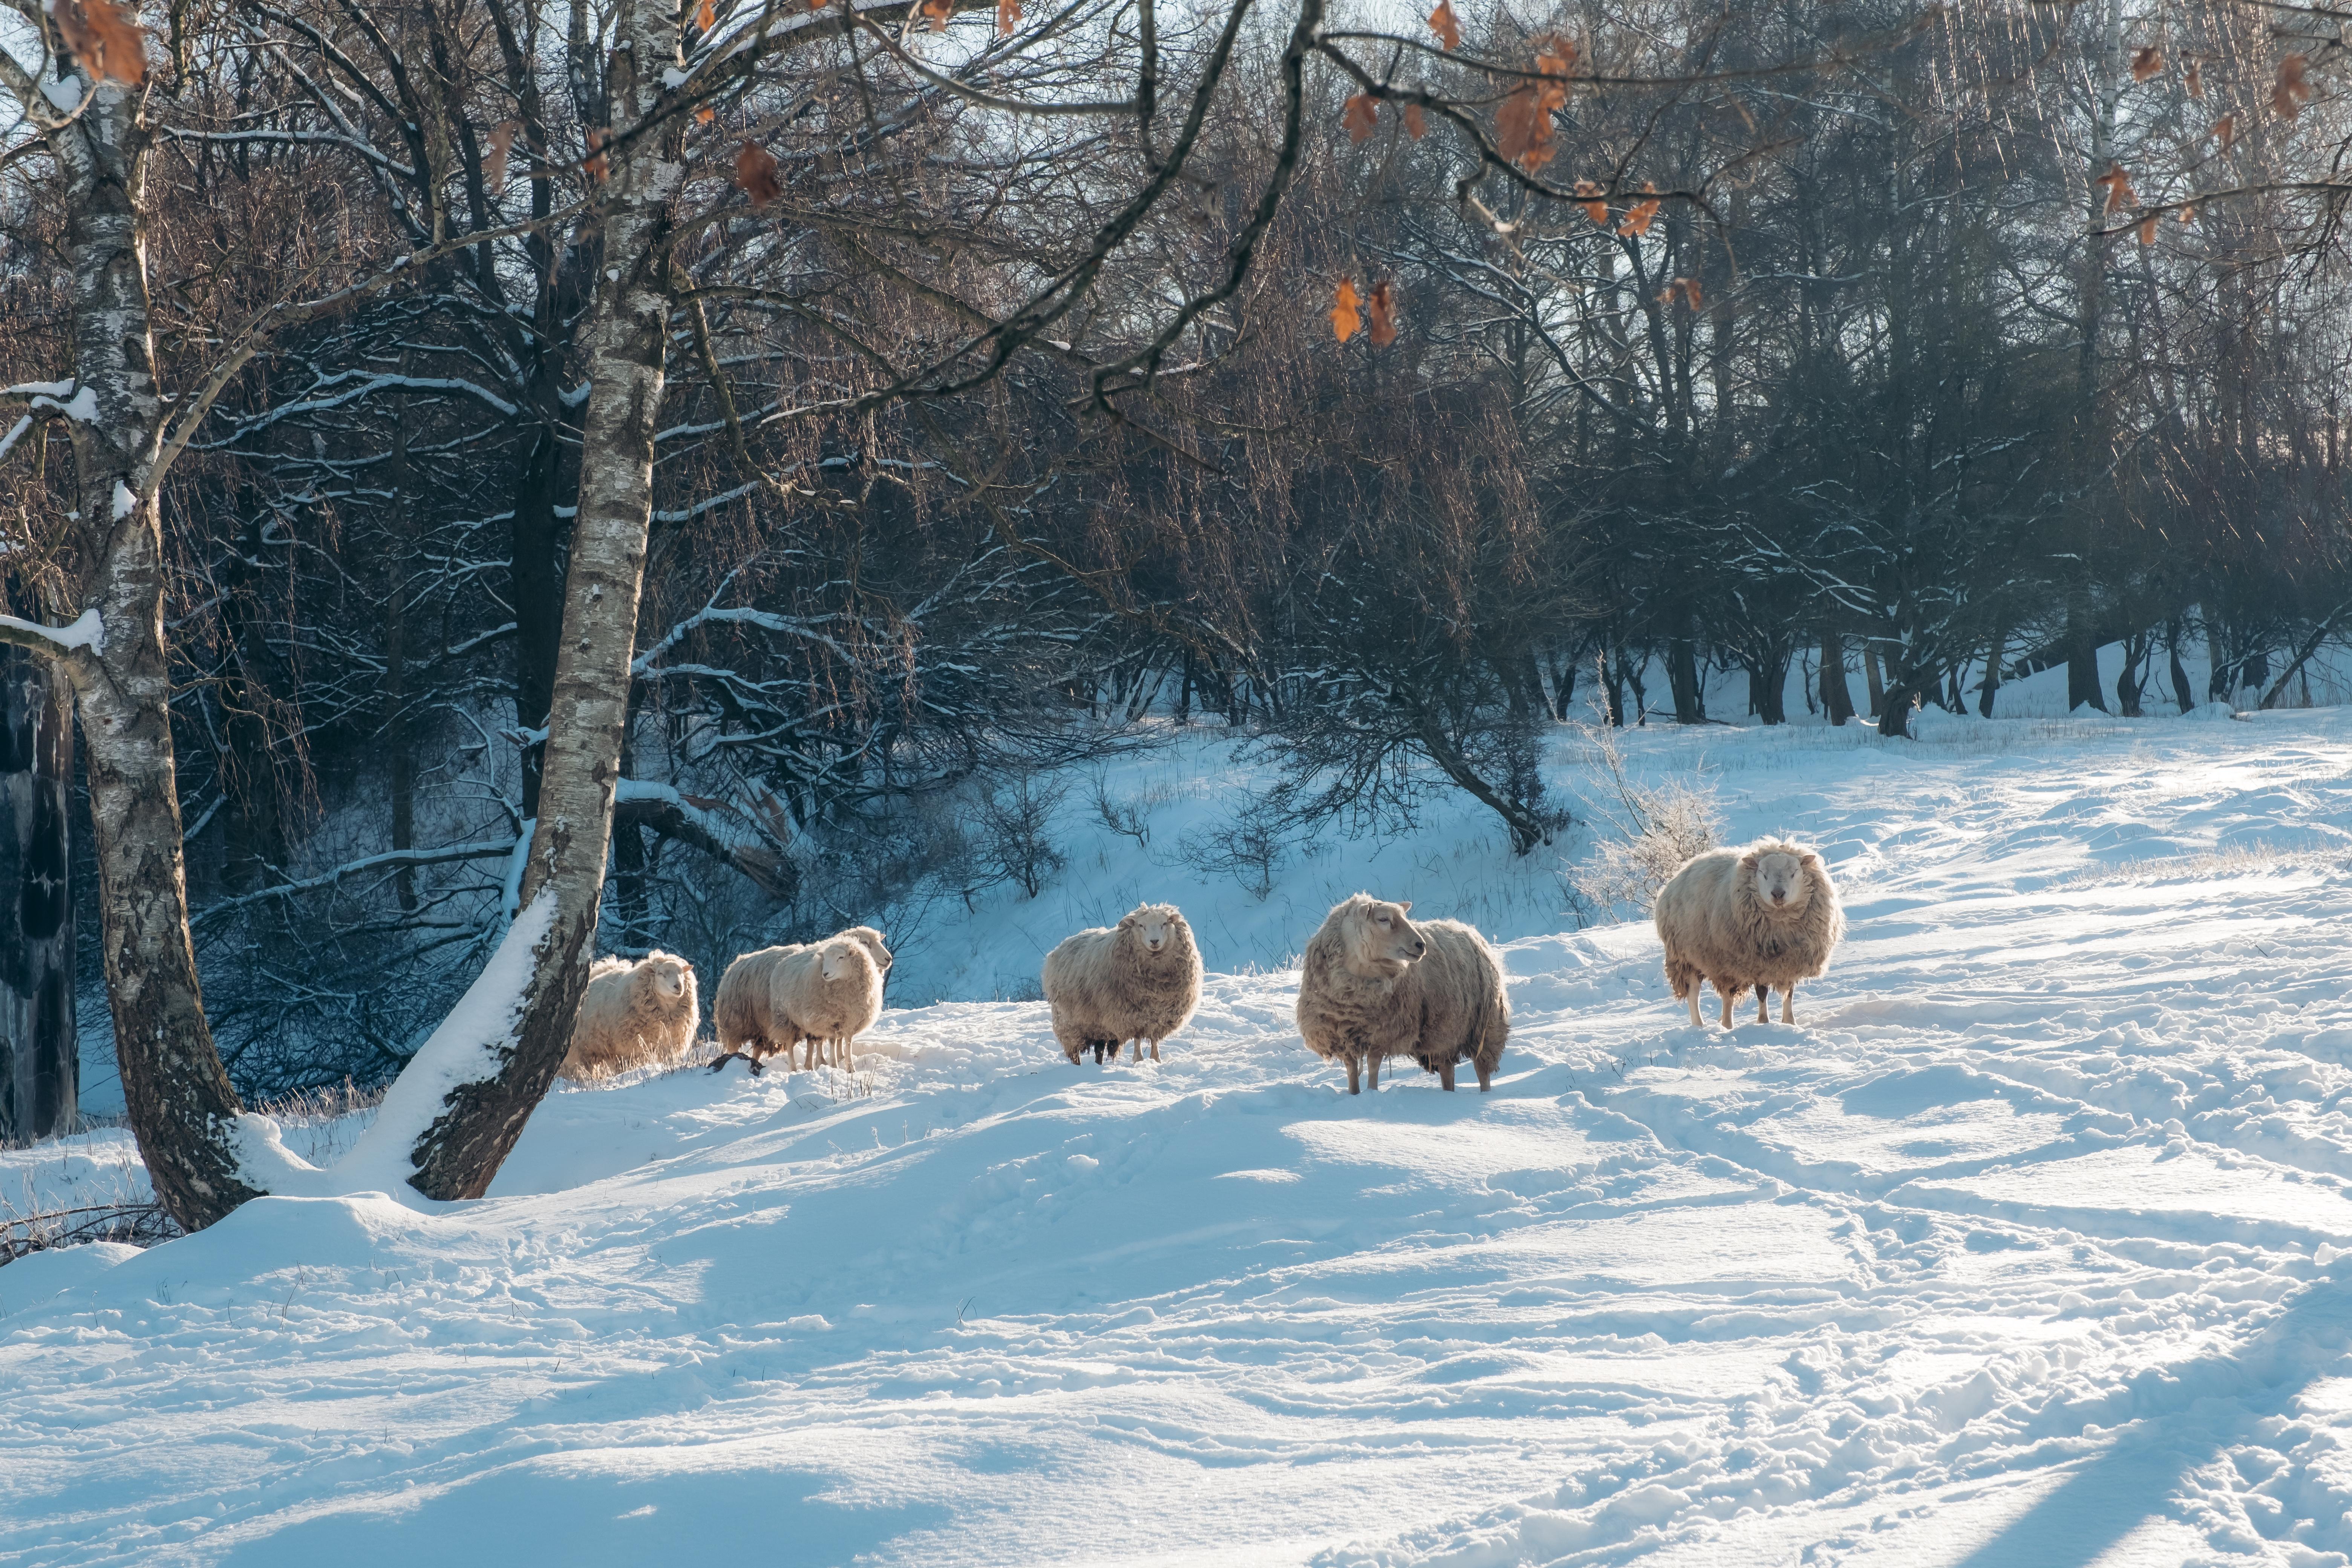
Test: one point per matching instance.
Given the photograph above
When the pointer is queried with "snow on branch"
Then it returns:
(57, 642)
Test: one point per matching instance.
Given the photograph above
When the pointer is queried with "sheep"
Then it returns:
(744, 1011)
(1762, 916)
(1374, 986)
(741, 1012)
(632, 1014)
(1139, 980)
(828, 994)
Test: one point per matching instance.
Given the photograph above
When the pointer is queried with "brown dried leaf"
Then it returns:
(1360, 114)
(1443, 22)
(1523, 130)
(705, 115)
(1345, 319)
(1416, 124)
(1383, 312)
(2196, 80)
(596, 165)
(706, 15)
(2188, 214)
(755, 172)
(106, 42)
(2226, 128)
(1555, 55)
(2119, 186)
(2147, 62)
(2290, 92)
(1008, 17)
(494, 168)
(2148, 228)
(1691, 292)
(1637, 221)
(937, 13)
(1593, 199)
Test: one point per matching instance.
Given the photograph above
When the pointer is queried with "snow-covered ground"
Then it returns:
(2032, 1244)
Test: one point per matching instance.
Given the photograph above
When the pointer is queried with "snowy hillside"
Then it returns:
(2031, 1244)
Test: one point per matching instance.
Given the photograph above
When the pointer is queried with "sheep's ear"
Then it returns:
(1404, 906)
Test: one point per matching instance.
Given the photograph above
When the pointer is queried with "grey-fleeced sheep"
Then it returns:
(1762, 916)
(1375, 984)
(743, 1012)
(1139, 980)
(632, 1014)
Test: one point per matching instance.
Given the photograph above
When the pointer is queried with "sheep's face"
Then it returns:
(1780, 884)
(670, 977)
(1154, 925)
(874, 950)
(839, 961)
(1385, 940)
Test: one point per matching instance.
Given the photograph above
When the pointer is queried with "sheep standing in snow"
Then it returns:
(1374, 986)
(744, 1012)
(1763, 916)
(1139, 980)
(826, 994)
(633, 1016)
(741, 1013)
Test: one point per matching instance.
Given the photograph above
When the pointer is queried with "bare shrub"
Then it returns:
(1014, 839)
(1127, 818)
(1249, 850)
(1656, 830)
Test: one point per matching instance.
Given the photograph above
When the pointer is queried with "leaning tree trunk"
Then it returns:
(627, 336)
(40, 1066)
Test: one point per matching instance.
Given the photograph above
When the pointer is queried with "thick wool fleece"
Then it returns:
(1357, 1006)
(627, 1019)
(1717, 929)
(1106, 987)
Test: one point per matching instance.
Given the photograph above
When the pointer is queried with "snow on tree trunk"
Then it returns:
(460, 1151)
(39, 1070)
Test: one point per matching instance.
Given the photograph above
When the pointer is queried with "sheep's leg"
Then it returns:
(1696, 1022)
(1727, 993)
(1155, 1050)
(1375, 1064)
(1763, 998)
(1789, 1006)
(1485, 1076)
(1445, 1078)
(1355, 1067)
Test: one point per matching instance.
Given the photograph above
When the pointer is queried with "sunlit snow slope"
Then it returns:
(2021, 1248)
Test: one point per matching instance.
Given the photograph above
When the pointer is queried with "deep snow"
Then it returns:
(2023, 1248)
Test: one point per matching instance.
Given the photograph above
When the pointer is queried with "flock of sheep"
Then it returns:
(1375, 984)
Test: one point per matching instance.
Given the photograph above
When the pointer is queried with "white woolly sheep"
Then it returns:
(826, 994)
(1139, 980)
(747, 1024)
(743, 1012)
(1763, 916)
(633, 1016)
(1373, 985)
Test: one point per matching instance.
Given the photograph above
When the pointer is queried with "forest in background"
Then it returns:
(977, 383)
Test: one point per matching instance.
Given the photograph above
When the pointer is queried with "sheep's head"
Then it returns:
(1380, 938)
(1779, 870)
(1154, 925)
(669, 975)
(872, 941)
(842, 958)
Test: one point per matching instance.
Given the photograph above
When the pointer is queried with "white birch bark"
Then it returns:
(181, 1105)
